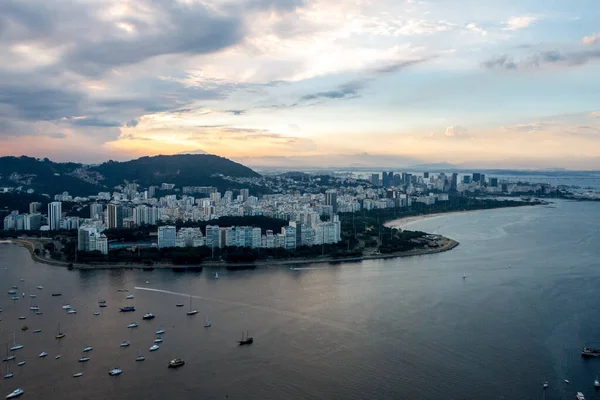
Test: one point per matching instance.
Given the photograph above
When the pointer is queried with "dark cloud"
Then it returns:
(347, 90)
(93, 122)
(235, 112)
(132, 124)
(544, 58)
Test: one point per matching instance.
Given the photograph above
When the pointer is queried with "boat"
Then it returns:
(57, 357)
(158, 340)
(176, 363)
(130, 297)
(21, 363)
(22, 317)
(139, 357)
(179, 305)
(102, 305)
(101, 301)
(123, 290)
(59, 334)
(216, 275)
(12, 291)
(160, 331)
(124, 344)
(191, 312)
(15, 346)
(87, 348)
(148, 316)
(580, 396)
(588, 352)
(248, 340)
(154, 347)
(84, 359)
(43, 354)
(56, 294)
(33, 296)
(133, 325)
(15, 287)
(78, 375)
(73, 311)
(596, 383)
(567, 382)
(207, 323)
(96, 313)
(38, 313)
(545, 385)
(24, 328)
(34, 308)
(127, 309)
(18, 392)
(115, 371)
(15, 298)
(39, 287)
(66, 307)
(36, 331)
(8, 358)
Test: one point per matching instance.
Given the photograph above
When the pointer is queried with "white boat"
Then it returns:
(22, 280)
(87, 348)
(140, 357)
(155, 347)
(33, 296)
(34, 308)
(78, 375)
(216, 275)
(567, 382)
(40, 287)
(15, 394)
(66, 307)
(133, 325)
(148, 316)
(73, 311)
(207, 323)
(96, 313)
(160, 331)
(59, 334)
(124, 344)
(43, 354)
(580, 396)
(191, 312)
(38, 313)
(130, 297)
(158, 340)
(115, 371)
(57, 357)
(21, 363)
(15, 346)
(545, 385)
(12, 291)
(8, 373)
(84, 359)
(596, 383)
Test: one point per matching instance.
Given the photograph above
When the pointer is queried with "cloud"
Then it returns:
(132, 124)
(87, 121)
(543, 59)
(235, 112)
(591, 39)
(347, 90)
(455, 131)
(516, 23)
(473, 27)
(595, 114)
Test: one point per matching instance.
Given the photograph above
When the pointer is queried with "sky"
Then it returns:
(511, 83)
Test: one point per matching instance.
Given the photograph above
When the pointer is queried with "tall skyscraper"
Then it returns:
(482, 180)
(466, 179)
(425, 175)
(54, 215)
(35, 207)
(114, 216)
(454, 181)
(331, 200)
(96, 210)
(375, 179)
(245, 193)
(384, 179)
(476, 176)
(494, 182)
(167, 236)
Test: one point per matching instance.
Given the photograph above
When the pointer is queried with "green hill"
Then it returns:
(45, 176)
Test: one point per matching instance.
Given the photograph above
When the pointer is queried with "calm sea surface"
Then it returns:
(408, 328)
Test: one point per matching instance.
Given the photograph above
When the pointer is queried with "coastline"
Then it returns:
(447, 244)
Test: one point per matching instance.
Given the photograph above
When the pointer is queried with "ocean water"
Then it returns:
(408, 328)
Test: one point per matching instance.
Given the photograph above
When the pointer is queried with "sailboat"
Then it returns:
(248, 340)
(8, 358)
(192, 312)
(216, 275)
(8, 373)
(15, 345)
(139, 357)
(207, 323)
(59, 334)
(15, 394)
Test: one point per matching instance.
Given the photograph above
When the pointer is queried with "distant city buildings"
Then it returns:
(89, 238)
(54, 215)
(167, 236)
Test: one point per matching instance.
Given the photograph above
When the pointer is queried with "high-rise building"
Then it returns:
(35, 207)
(96, 210)
(426, 175)
(245, 193)
(466, 179)
(114, 216)
(482, 180)
(331, 200)
(494, 182)
(476, 176)
(90, 239)
(375, 179)
(397, 180)
(454, 181)
(289, 233)
(54, 215)
(384, 179)
(151, 191)
(167, 236)
(32, 222)
(212, 236)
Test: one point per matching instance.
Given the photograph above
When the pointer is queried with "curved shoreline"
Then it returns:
(447, 244)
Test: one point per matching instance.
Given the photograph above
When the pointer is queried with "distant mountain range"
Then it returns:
(45, 176)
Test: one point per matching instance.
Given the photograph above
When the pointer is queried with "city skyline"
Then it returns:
(489, 85)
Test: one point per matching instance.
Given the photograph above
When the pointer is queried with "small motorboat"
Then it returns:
(155, 347)
(102, 305)
(160, 331)
(15, 298)
(84, 359)
(580, 396)
(66, 307)
(87, 349)
(130, 297)
(56, 294)
(58, 357)
(34, 308)
(12, 291)
(15, 287)
(60, 335)
(148, 316)
(39, 287)
(72, 311)
(97, 313)
(567, 382)
(127, 309)
(43, 354)
(22, 280)
(140, 358)
(179, 305)
(22, 317)
(133, 325)
(545, 385)
(8, 375)
(596, 383)
(115, 371)
(192, 312)
(176, 363)
(15, 394)
(16, 347)
(158, 340)
(102, 301)
(38, 313)
(33, 296)
(124, 344)
(78, 375)
(36, 331)
(21, 363)
(9, 358)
